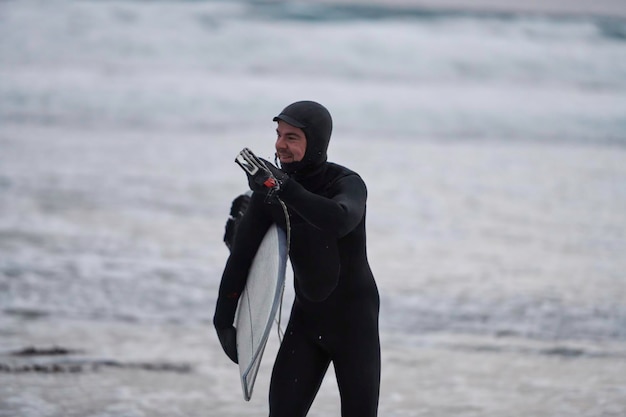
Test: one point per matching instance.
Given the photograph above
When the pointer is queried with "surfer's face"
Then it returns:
(290, 143)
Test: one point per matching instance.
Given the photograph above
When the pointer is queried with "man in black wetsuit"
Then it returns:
(335, 313)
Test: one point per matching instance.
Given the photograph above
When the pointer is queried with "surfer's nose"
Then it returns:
(281, 143)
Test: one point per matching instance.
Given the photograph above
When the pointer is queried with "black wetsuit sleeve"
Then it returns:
(250, 232)
(338, 213)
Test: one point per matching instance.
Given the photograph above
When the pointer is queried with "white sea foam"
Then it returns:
(207, 65)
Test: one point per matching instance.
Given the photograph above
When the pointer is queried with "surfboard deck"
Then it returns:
(259, 304)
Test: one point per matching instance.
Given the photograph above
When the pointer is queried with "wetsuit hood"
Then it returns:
(317, 124)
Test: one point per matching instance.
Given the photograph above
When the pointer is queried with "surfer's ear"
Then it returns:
(228, 340)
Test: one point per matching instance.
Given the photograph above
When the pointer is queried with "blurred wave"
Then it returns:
(416, 74)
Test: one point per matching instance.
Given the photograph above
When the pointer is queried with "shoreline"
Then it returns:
(427, 374)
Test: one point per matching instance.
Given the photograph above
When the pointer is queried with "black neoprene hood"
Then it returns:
(317, 124)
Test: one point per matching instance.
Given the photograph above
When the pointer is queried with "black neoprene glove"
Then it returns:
(228, 340)
(223, 321)
(262, 175)
(237, 210)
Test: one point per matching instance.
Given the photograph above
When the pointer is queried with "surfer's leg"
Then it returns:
(298, 373)
(357, 367)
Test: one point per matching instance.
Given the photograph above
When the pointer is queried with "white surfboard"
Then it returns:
(259, 304)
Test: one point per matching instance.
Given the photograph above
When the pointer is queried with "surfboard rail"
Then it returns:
(259, 304)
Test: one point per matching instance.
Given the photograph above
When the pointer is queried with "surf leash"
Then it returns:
(281, 334)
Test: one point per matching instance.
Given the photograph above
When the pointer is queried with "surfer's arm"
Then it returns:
(249, 234)
(338, 214)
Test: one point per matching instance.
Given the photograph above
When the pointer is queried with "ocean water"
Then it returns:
(493, 144)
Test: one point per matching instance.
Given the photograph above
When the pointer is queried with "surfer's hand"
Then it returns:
(228, 340)
(262, 175)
